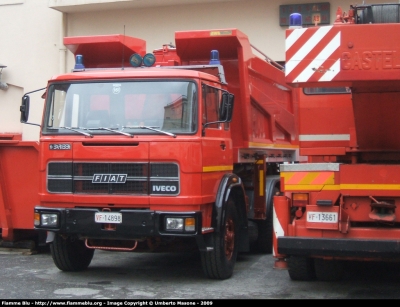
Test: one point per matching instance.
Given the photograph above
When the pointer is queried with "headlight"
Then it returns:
(181, 224)
(173, 223)
(46, 219)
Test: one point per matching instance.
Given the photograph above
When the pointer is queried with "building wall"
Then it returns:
(31, 42)
(29, 47)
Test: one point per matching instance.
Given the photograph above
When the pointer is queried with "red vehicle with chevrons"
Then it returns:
(344, 203)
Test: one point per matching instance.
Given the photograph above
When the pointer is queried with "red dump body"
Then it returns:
(344, 205)
(19, 178)
(266, 111)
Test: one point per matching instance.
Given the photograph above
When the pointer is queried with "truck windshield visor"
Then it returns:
(128, 106)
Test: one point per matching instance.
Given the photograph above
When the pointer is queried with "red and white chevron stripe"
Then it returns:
(312, 54)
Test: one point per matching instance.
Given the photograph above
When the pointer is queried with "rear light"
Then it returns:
(299, 199)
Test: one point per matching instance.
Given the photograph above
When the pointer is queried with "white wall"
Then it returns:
(29, 47)
(31, 40)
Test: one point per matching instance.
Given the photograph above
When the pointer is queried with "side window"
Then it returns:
(210, 105)
(57, 109)
(326, 90)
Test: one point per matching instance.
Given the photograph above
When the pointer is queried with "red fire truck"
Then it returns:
(343, 204)
(156, 151)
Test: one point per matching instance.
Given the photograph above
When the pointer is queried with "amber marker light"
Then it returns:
(299, 199)
(36, 219)
(190, 224)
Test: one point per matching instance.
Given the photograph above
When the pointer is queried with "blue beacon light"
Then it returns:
(295, 21)
(214, 59)
(79, 62)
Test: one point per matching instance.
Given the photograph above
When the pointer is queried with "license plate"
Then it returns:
(322, 217)
(108, 217)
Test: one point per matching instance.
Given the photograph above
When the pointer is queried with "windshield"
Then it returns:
(128, 106)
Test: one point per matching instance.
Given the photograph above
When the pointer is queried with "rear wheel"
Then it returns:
(70, 254)
(219, 263)
(301, 268)
(264, 239)
(328, 270)
(265, 228)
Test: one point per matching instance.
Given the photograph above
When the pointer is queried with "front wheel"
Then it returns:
(219, 263)
(70, 254)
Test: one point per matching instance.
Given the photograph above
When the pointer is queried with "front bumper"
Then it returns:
(136, 224)
(345, 248)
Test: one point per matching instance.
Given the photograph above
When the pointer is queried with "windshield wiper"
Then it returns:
(75, 129)
(112, 130)
(150, 128)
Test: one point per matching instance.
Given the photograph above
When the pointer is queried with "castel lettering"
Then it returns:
(371, 60)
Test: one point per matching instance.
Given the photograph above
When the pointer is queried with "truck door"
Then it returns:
(216, 140)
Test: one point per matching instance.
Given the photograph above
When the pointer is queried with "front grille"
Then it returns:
(113, 178)
(60, 169)
(59, 185)
(131, 169)
(163, 170)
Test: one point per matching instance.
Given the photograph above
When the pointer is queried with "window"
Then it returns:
(168, 105)
(211, 99)
(326, 90)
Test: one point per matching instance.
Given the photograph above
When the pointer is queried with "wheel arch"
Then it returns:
(272, 181)
(231, 186)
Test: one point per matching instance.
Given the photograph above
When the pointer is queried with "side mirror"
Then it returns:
(24, 109)
(231, 102)
(226, 107)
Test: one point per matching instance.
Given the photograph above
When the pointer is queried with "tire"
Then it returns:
(219, 263)
(301, 268)
(70, 254)
(264, 239)
(265, 229)
(328, 270)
